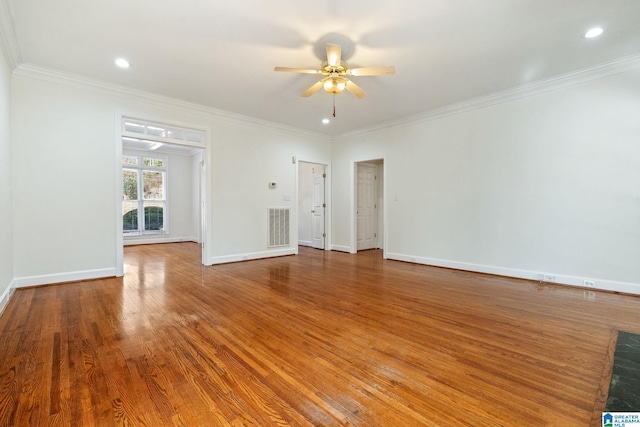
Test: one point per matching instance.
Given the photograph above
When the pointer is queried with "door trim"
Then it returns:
(205, 191)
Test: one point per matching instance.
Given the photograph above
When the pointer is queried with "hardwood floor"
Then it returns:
(318, 339)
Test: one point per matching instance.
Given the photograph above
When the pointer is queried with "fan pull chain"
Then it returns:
(334, 105)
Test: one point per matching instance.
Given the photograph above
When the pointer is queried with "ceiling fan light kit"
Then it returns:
(336, 71)
(334, 85)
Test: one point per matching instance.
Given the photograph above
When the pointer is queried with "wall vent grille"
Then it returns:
(278, 227)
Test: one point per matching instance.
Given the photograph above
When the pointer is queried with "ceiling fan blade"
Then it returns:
(313, 89)
(355, 89)
(372, 71)
(334, 52)
(296, 70)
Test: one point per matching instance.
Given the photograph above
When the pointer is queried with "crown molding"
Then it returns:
(555, 83)
(106, 88)
(8, 40)
(620, 65)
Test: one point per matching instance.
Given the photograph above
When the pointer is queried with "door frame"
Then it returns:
(381, 212)
(327, 200)
(204, 190)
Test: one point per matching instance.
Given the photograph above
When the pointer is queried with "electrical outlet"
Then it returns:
(589, 283)
(549, 278)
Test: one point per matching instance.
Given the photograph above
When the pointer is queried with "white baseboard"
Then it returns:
(305, 243)
(74, 276)
(601, 284)
(155, 240)
(253, 255)
(340, 248)
(6, 297)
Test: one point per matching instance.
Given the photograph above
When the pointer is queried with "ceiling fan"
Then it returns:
(337, 74)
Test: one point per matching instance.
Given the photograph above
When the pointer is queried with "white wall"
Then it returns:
(182, 224)
(245, 161)
(181, 203)
(64, 157)
(65, 138)
(6, 217)
(544, 184)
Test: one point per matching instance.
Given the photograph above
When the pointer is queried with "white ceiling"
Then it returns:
(221, 53)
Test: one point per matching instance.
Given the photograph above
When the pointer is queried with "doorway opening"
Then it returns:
(312, 205)
(369, 205)
(161, 192)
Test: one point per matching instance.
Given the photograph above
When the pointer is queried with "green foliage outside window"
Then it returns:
(153, 219)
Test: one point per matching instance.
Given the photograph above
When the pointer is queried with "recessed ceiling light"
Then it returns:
(122, 63)
(325, 121)
(594, 32)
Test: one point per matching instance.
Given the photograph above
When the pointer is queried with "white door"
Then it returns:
(318, 208)
(366, 207)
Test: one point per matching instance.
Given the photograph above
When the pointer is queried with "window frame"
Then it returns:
(155, 131)
(140, 168)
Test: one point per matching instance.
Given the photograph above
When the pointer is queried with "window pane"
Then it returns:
(130, 126)
(153, 184)
(130, 216)
(129, 184)
(175, 134)
(129, 160)
(153, 216)
(155, 131)
(158, 163)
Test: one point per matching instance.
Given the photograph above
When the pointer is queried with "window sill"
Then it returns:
(137, 234)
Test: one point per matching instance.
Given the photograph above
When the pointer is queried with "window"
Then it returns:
(144, 195)
(160, 132)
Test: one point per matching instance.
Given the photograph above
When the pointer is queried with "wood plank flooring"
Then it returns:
(318, 339)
